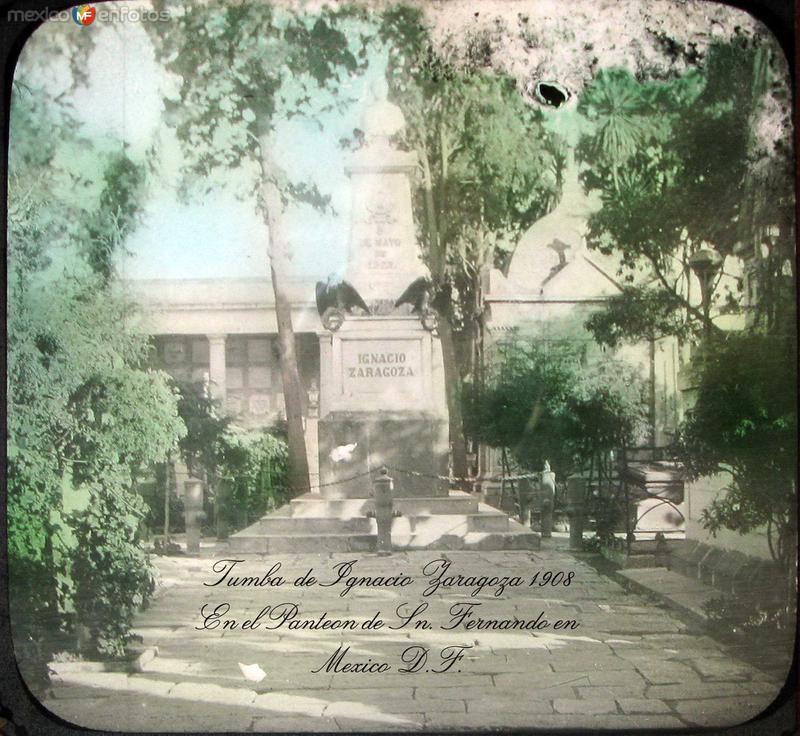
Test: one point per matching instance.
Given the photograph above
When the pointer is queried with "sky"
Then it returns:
(219, 234)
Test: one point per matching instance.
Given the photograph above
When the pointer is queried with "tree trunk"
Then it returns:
(293, 393)
(651, 399)
(452, 381)
(452, 376)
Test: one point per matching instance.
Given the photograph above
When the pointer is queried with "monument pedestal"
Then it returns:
(382, 403)
(413, 446)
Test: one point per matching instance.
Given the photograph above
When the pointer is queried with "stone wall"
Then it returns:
(699, 494)
(250, 384)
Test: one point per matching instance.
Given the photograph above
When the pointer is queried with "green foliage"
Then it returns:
(245, 469)
(745, 422)
(656, 152)
(84, 414)
(489, 167)
(253, 473)
(769, 622)
(112, 574)
(659, 149)
(117, 214)
(241, 69)
(205, 425)
(544, 404)
(638, 314)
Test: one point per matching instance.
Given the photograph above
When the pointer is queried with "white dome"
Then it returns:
(555, 239)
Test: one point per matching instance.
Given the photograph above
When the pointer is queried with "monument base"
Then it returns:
(413, 445)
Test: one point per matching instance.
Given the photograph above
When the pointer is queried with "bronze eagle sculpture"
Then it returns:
(339, 294)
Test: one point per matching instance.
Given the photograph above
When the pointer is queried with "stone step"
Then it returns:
(312, 523)
(313, 506)
(297, 543)
(270, 525)
(512, 540)
(452, 539)
(480, 521)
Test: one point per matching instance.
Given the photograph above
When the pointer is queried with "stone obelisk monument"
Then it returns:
(383, 256)
(382, 399)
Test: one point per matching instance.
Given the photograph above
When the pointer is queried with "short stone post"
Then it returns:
(193, 513)
(547, 492)
(662, 550)
(576, 498)
(382, 487)
(526, 501)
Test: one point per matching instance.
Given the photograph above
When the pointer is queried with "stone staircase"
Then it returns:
(316, 523)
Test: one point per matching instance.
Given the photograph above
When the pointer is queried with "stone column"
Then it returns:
(548, 493)
(312, 436)
(576, 501)
(216, 365)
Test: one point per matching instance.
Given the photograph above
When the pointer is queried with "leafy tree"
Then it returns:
(117, 214)
(488, 169)
(242, 70)
(745, 423)
(84, 415)
(544, 403)
(659, 149)
(245, 470)
(698, 168)
(252, 473)
(84, 418)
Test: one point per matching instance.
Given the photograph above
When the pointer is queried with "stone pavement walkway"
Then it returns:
(629, 663)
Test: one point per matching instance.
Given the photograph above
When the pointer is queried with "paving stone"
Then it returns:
(519, 705)
(699, 691)
(584, 706)
(650, 722)
(283, 704)
(629, 665)
(143, 684)
(466, 694)
(354, 710)
(391, 680)
(208, 693)
(411, 722)
(483, 721)
(629, 678)
(114, 681)
(586, 664)
(293, 724)
(721, 668)
(612, 691)
(71, 692)
(721, 712)
(643, 705)
(136, 714)
(665, 673)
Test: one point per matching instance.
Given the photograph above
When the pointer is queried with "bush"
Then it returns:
(542, 403)
(252, 474)
(111, 573)
(84, 417)
(745, 422)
